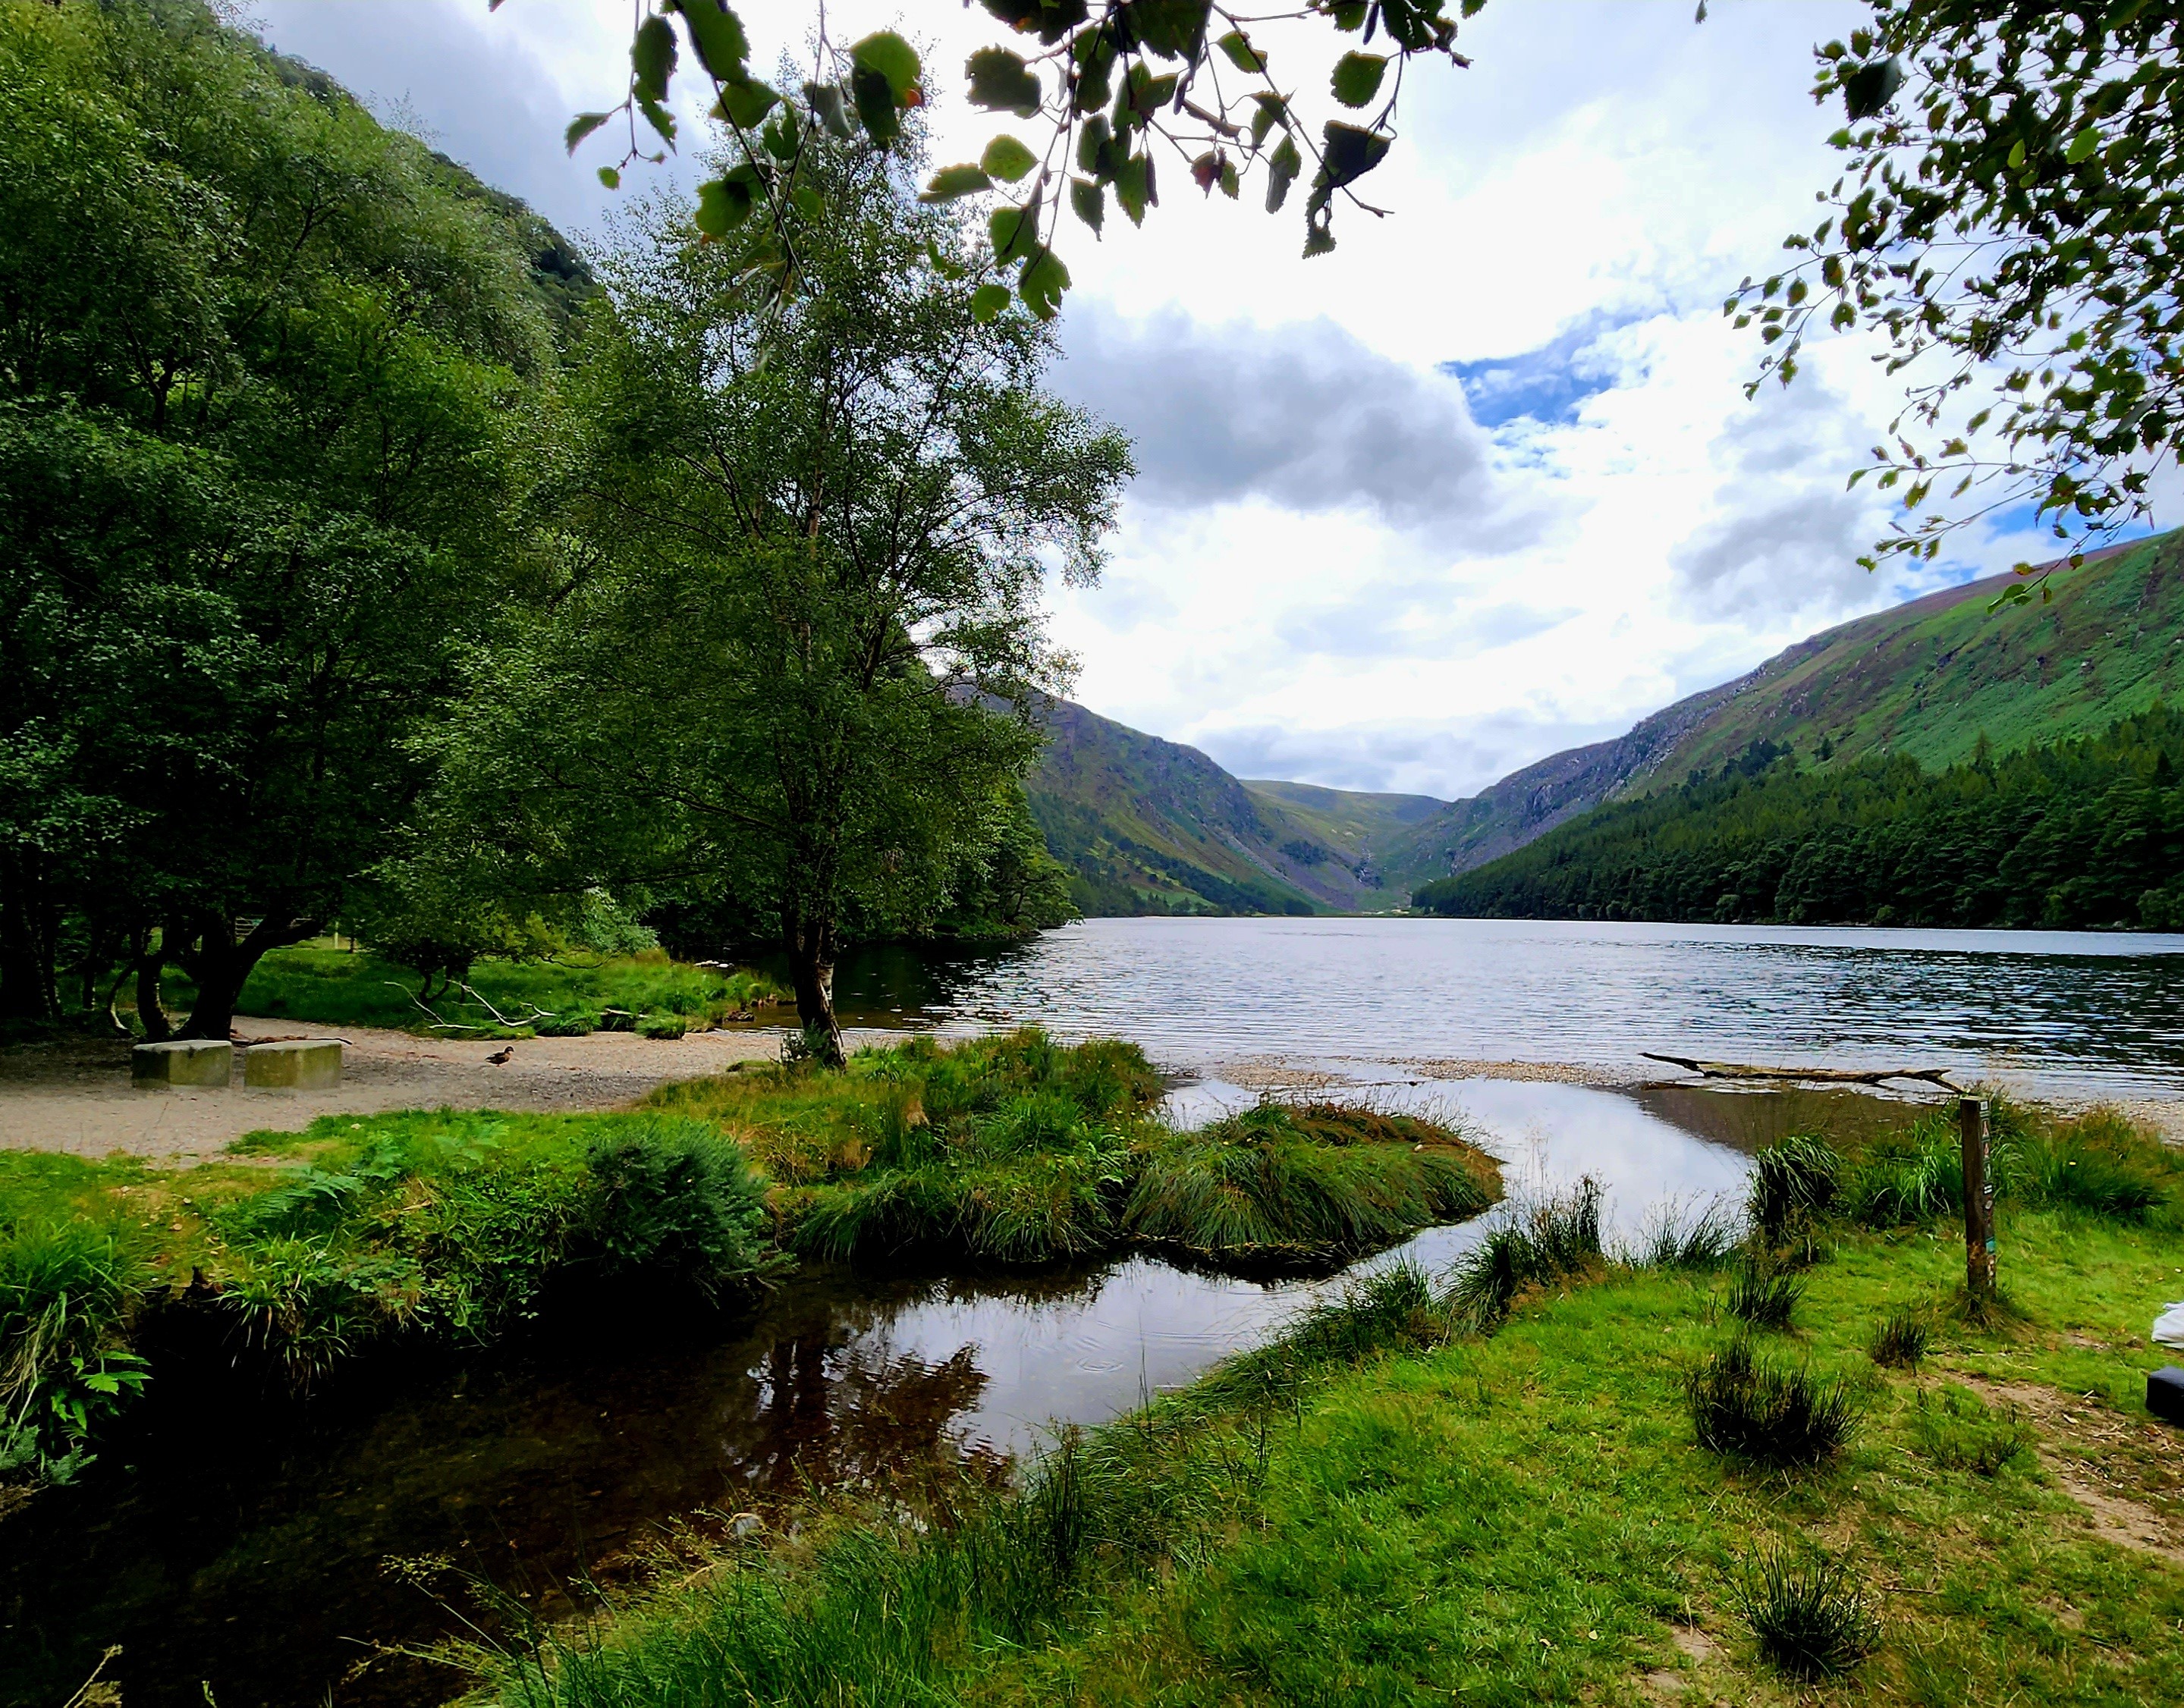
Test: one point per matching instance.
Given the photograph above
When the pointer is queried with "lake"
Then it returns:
(2066, 1013)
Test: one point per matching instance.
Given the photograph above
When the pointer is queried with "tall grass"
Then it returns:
(1808, 1613)
(1675, 1237)
(1793, 1184)
(2096, 1164)
(1763, 1295)
(67, 1290)
(1749, 1408)
(1543, 1242)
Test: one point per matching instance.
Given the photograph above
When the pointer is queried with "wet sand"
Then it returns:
(75, 1095)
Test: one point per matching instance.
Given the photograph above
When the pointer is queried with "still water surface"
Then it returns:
(2076, 1013)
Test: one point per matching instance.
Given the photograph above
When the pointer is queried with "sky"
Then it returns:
(1481, 485)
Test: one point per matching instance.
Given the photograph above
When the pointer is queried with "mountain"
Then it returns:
(1926, 679)
(1146, 826)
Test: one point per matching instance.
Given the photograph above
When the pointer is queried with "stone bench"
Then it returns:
(183, 1061)
(300, 1064)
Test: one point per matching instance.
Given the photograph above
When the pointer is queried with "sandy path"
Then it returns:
(76, 1095)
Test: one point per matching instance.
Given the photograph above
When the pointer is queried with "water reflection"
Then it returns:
(246, 1546)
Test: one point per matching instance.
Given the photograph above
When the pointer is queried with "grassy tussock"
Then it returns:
(1748, 1407)
(1546, 1242)
(1900, 1340)
(1683, 1237)
(1956, 1430)
(1808, 1612)
(1763, 1295)
(1017, 1150)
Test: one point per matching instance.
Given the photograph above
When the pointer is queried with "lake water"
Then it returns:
(2074, 1013)
(246, 1542)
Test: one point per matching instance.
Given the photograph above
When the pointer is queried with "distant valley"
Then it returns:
(1148, 826)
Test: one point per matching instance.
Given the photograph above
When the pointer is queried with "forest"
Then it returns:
(2079, 835)
(373, 560)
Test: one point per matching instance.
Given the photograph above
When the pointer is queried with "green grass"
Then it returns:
(1380, 1509)
(319, 985)
(1019, 1150)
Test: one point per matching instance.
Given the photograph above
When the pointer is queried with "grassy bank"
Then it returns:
(1017, 1149)
(1390, 1506)
(568, 996)
(372, 1230)
(441, 1229)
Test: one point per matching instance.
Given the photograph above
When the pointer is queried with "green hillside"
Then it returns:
(2085, 833)
(1151, 827)
(1925, 679)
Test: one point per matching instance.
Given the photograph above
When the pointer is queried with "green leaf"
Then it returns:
(718, 35)
(1869, 88)
(723, 204)
(807, 202)
(1273, 111)
(659, 118)
(1092, 146)
(1014, 231)
(1001, 83)
(1042, 282)
(609, 177)
(1241, 53)
(1173, 29)
(825, 99)
(652, 58)
(888, 55)
(582, 126)
(1282, 169)
(1349, 151)
(988, 302)
(952, 181)
(1319, 238)
(1089, 202)
(2017, 152)
(1349, 15)
(743, 101)
(1007, 158)
(783, 137)
(1357, 77)
(1133, 187)
(1232, 184)
(875, 105)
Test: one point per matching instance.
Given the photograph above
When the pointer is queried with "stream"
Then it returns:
(254, 1545)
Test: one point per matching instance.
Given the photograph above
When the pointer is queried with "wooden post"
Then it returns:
(1979, 1198)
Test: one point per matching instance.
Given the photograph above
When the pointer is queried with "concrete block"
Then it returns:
(302, 1063)
(2165, 1394)
(183, 1061)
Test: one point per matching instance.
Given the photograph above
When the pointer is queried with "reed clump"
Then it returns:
(1547, 1241)
(1900, 1340)
(1808, 1612)
(1746, 1407)
(1763, 1294)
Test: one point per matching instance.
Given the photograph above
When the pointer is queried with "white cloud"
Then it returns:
(1330, 568)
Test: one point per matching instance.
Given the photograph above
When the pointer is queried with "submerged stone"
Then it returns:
(300, 1064)
(183, 1061)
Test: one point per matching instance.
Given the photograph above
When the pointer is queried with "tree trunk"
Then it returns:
(811, 971)
(221, 965)
(28, 987)
(151, 1012)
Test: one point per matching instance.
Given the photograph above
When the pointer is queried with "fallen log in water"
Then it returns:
(1833, 1076)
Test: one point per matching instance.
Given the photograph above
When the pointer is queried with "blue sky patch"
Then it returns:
(1546, 385)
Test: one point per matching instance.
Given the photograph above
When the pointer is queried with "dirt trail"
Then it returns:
(75, 1095)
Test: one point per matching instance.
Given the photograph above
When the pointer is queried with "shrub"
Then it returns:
(1554, 1237)
(1899, 1341)
(1792, 1184)
(674, 1198)
(1958, 1432)
(1808, 1613)
(1764, 1295)
(67, 1290)
(1742, 1406)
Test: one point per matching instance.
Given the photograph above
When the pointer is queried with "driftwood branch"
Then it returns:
(1832, 1076)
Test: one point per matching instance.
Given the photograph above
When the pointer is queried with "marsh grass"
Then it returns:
(1547, 1241)
(1793, 1184)
(1808, 1612)
(1745, 1407)
(1763, 1295)
(1680, 1237)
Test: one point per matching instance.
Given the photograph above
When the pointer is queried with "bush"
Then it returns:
(676, 1199)
(1899, 1342)
(1764, 1295)
(1792, 1184)
(67, 1290)
(1748, 1409)
(1557, 1237)
(1958, 1432)
(1808, 1613)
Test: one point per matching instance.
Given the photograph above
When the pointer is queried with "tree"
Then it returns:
(2008, 217)
(790, 663)
(263, 462)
